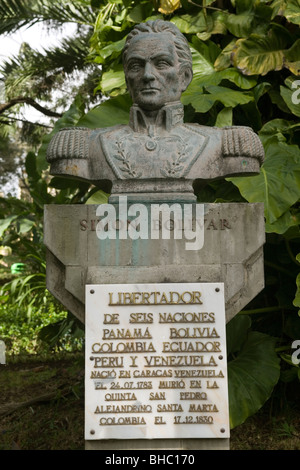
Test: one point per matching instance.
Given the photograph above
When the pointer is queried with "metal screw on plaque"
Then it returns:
(92, 431)
(217, 289)
(222, 430)
(92, 291)
(91, 358)
(220, 357)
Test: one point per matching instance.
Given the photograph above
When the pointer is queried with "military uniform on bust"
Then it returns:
(156, 155)
(153, 154)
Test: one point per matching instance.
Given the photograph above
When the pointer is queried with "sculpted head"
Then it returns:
(157, 64)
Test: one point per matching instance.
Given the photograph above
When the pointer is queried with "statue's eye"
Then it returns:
(162, 64)
(134, 66)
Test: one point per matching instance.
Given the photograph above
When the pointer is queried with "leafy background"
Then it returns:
(246, 60)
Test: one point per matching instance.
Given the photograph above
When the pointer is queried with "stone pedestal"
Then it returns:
(231, 253)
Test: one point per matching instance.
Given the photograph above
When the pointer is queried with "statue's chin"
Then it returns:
(151, 104)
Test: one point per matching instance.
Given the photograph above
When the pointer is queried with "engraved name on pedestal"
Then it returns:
(232, 253)
(156, 361)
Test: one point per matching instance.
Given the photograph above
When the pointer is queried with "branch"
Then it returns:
(31, 102)
(204, 6)
(12, 119)
(9, 408)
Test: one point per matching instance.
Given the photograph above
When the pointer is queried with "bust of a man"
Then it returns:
(156, 156)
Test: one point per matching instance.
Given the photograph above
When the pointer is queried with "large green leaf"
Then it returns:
(223, 61)
(140, 12)
(229, 97)
(292, 11)
(99, 197)
(110, 51)
(202, 63)
(289, 97)
(278, 184)
(251, 17)
(113, 81)
(260, 54)
(236, 333)
(292, 58)
(252, 376)
(24, 225)
(216, 25)
(236, 77)
(290, 218)
(206, 74)
(111, 112)
(189, 24)
(203, 102)
(5, 223)
(240, 25)
(224, 118)
(281, 129)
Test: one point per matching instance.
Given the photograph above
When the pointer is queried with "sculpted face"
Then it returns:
(153, 73)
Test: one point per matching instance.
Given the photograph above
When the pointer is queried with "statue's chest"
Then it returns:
(136, 155)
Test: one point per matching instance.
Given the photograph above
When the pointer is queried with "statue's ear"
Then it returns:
(126, 78)
(186, 77)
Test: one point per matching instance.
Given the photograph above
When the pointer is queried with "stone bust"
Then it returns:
(156, 156)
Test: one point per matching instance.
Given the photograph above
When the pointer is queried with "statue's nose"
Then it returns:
(148, 72)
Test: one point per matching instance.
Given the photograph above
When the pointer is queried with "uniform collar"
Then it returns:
(169, 116)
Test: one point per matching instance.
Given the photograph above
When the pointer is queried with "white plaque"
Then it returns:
(156, 365)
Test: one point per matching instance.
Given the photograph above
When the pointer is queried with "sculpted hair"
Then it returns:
(160, 26)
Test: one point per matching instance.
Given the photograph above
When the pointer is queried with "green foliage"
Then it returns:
(19, 330)
(25, 304)
(48, 80)
(18, 13)
(115, 110)
(253, 369)
(278, 185)
(246, 69)
(66, 334)
(31, 320)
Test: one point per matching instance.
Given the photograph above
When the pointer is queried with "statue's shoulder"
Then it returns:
(236, 141)
(242, 141)
(75, 142)
(70, 142)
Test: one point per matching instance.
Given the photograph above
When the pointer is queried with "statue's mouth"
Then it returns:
(149, 90)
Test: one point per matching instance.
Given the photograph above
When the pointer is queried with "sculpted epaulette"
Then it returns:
(69, 143)
(241, 141)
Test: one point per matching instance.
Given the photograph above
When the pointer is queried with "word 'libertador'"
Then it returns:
(154, 298)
